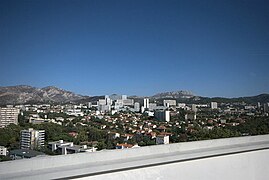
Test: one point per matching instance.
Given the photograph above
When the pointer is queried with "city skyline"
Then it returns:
(212, 48)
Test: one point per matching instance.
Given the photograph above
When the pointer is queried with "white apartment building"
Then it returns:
(108, 100)
(8, 115)
(118, 104)
(168, 103)
(104, 108)
(101, 102)
(74, 112)
(128, 102)
(31, 139)
(266, 107)
(136, 106)
(214, 105)
(69, 147)
(194, 107)
(146, 103)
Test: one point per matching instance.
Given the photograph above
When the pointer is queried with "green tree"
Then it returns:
(101, 145)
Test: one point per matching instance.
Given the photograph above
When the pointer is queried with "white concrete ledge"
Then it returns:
(90, 164)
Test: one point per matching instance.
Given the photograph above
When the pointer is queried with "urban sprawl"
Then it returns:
(117, 122)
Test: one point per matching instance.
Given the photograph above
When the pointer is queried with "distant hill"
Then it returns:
(23, 94)
(263, 98)
(190, 98)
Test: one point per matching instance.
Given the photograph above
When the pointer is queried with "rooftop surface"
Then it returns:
(26, 153)
(111, 161)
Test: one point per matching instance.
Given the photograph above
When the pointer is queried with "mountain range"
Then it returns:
(23, 94)
(26, 94)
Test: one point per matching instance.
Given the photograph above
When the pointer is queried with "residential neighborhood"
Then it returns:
(119, 122)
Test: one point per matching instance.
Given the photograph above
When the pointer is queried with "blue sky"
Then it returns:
(212, 47)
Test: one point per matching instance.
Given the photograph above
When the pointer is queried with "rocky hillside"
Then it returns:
(26, 94)
(174, 94)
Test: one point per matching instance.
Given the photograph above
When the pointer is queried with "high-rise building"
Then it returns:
(8, 115)
(104, 105)
(89, 104)
(194, 107)
(104, 108)
(31, 139)
(108, 100)
(136, 106)
(266, 107)
(118, 104)
(162, 115)
(258, 105)
(214, 105)
(146, 103)
(142, 109)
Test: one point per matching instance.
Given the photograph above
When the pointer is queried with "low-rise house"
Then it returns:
(162, 139)
(62, 147)
(24, 153)
(3, 151)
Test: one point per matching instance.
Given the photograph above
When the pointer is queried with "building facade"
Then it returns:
(266, 107)
(136, 106)
(168, 103)
(65, 148)
(31, 139)
(3, 151)
(162, 115)
(214, 105)
(128, 102)
(194, 108)
(146, 103)
(162, 139)
(8, 115)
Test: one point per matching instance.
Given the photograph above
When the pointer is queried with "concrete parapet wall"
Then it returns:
(50, 162)
(244, 166)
